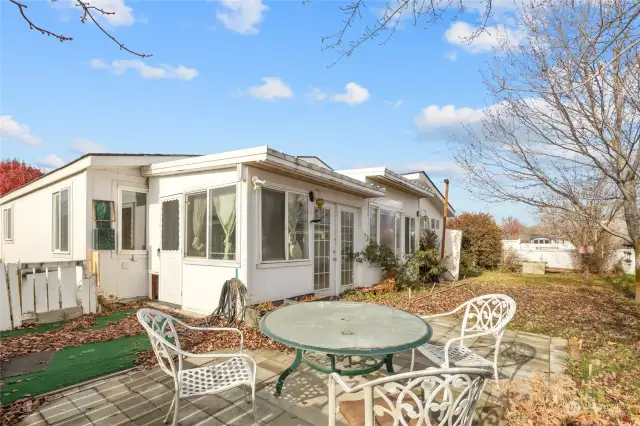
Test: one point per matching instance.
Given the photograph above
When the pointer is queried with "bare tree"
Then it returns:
(87, 9)
(565, 114)
(511, 227)
(424, 12)
(586, 230)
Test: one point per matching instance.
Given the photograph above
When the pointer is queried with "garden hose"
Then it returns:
(232, 303)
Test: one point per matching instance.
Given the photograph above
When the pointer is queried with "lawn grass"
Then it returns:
(601, 313)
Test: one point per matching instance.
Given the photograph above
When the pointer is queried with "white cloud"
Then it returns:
(315, 95)
(435, 117)
(119, 67)
(272, 88)
(83, 146)
(241, 16)
(469, 38)
(12, 130)
(354, 94)
(395, 104)
(451, 55)
(51, 162)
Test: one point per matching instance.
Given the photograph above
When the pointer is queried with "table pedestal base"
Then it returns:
(326, 363)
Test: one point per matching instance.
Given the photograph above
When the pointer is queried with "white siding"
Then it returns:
(268, 282)
(202, 280)
(32, 227)
(121, 275)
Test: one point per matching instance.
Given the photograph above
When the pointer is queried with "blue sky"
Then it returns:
(242, 73)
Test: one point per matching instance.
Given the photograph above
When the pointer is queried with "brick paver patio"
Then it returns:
(143, 397)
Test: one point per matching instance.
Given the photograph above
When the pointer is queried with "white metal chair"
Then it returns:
(238, 370)
(483, 316)
(445, 397)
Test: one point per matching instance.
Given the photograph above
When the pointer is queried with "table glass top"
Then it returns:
(346, 328)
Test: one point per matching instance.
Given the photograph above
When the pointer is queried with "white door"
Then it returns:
(346, 243)
(324, 251)
(170, 288)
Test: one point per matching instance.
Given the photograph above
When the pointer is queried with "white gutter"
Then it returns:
(396, 178)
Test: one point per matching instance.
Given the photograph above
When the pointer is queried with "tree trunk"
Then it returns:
(632, 220)
(637, 256)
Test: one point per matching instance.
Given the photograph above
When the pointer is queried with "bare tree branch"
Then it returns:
(429, 11)
(33, 26)
(86, 8)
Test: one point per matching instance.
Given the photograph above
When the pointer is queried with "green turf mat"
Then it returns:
(39, 329)
(107, 320)
(101, 322)
(71, 366)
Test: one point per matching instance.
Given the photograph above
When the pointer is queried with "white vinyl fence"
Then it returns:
(44, 293)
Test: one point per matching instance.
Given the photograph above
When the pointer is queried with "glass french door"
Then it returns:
(324, 251)
(347, 246)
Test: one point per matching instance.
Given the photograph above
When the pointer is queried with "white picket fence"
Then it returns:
(28, 292)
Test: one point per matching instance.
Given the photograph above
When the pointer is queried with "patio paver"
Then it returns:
(143, 397)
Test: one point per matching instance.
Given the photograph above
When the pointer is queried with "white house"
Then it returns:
(182, 226)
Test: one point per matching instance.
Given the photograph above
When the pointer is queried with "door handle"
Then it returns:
(158, 251)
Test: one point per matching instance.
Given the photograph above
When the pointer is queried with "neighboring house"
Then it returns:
(285, 226)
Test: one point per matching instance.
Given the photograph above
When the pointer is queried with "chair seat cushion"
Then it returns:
(215, 378)
(460, 356)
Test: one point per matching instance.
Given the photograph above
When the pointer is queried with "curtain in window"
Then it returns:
(295, 252)
(197, 221)
(225, 205)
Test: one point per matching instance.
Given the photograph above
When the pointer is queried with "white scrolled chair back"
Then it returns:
(487, 313)
(160, 327)
(444, 397)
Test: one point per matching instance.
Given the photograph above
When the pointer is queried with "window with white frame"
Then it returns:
(285, 225)
(424, 223)
(373, 223)
(7, 223)
(409, 235)
(61, 220)
(210, 224)
(133, 220)
(435, 224)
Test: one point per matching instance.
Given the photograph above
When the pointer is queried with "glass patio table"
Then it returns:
(322, 332)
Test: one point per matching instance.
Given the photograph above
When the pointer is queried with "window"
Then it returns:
(385, 227)
(7, 221)
(210, 224)
(61, 220)
(398, 233)
(435, 224)
(373, 224)
(424, 223)
(195, 225)
(285, 225)
(409, 235)
(133, 220)
(222, 223)
(170, 225)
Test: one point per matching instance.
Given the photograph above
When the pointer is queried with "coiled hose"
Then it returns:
(232, 303)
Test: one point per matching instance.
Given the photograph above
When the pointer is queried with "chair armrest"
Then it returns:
(338, 379)
(460, 338)
(443, 315)
(228, 329)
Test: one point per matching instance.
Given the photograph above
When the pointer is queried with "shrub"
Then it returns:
(481, 239)
(511, 261)
(424, 266)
